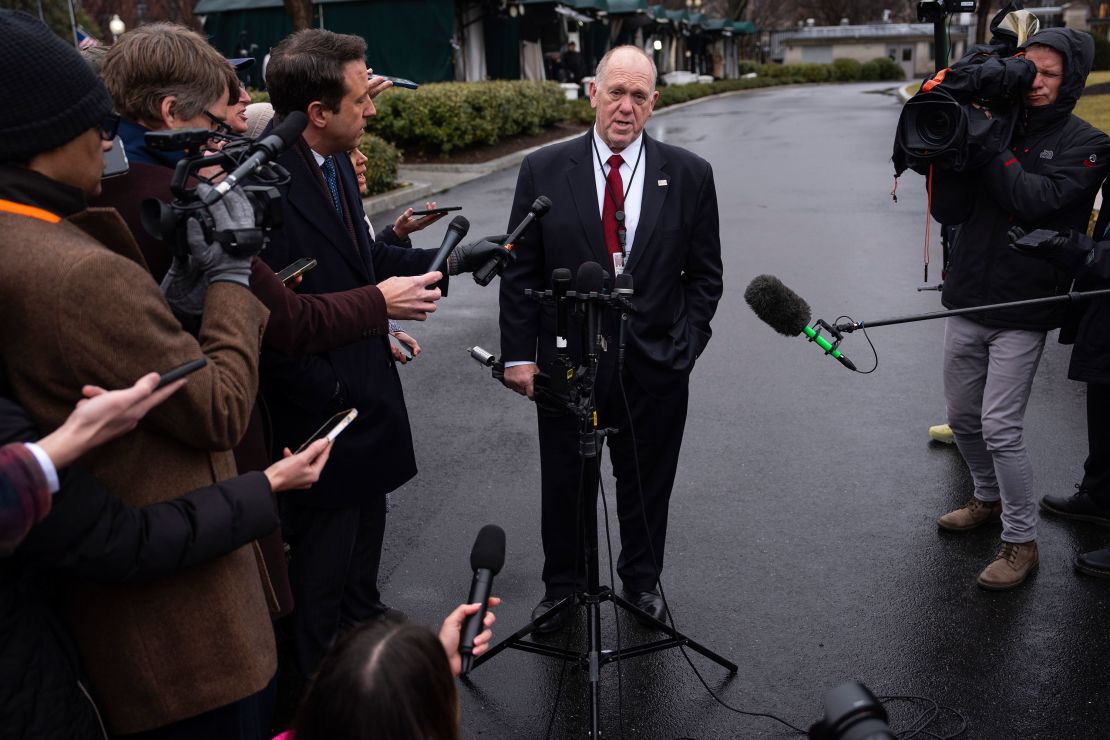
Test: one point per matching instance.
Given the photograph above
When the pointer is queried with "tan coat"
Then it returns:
(74, 312)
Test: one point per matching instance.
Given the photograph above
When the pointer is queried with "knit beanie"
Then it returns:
(51, 96)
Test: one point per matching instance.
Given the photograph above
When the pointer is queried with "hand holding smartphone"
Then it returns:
(331, 428)
(295, 270)
(437, 211)
(180, 372)
(399, 81)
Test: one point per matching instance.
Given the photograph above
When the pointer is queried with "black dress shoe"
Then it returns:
(1095, 563)
(1080, 506)
(649, 602)
(556, 622)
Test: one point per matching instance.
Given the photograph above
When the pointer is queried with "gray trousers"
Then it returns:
(988, 373)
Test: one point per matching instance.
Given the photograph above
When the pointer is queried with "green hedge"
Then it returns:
(381, 169)
(442, 117)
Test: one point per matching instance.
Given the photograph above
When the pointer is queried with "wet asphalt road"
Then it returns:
(803, 543)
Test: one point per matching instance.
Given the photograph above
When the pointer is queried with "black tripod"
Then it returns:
(574, 389)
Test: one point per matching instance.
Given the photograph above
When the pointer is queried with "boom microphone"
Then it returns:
(263, 151)
(456, 230)
(486, 559)
(486, 272)
(786, 312)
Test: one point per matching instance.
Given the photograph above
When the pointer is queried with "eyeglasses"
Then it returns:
(109, 126)
(220, 124)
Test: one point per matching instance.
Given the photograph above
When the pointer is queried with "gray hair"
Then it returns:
(603, 65)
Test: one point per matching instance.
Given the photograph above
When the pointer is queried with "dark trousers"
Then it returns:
(658, 424)
(1096, 470)
(333, 572)
(246, 719)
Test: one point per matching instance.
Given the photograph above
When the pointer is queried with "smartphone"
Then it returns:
(180, 372)
(444, 209)
(399, 81)
(300, 267)
(115, 160)
(331, 428)
(1034, 239)
(403, 347)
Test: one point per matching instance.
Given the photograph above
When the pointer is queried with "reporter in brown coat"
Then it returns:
(80, 307)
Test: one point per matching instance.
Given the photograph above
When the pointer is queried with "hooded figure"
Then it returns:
(1047, 178)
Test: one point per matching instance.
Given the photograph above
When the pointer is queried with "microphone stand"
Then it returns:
(579, 384)
(1073, 296)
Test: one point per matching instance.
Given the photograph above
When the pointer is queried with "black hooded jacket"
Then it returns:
(1047, 179)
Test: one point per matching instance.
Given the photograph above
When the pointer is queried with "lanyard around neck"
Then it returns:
(619, 215)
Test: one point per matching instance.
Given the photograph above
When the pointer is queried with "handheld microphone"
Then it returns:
(264, 151)
(486, 559)
(456, 230)
(484, 274)
(787, 313)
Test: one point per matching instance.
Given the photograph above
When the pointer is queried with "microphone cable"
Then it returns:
(874, 352)
(659, 574)
(917, 727)
(569, 628)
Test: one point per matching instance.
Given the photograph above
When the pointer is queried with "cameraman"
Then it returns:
(1048, 177)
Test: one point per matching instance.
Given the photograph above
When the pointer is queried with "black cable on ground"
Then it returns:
(658, 571)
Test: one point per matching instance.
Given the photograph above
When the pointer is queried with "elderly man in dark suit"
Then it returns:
(336, 533)
(649, 210)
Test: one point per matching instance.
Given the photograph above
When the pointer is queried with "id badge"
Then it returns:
(618, 263)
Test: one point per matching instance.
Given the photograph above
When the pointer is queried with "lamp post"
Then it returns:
(116, 26)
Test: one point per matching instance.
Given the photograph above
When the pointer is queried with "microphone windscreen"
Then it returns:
(290, 128)
(623, 284)
(489, 549)
(541, 206)
(590, 278)
(459, 224)
(777, 306)
(561, 279)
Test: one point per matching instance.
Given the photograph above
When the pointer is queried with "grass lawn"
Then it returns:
(1095, 109)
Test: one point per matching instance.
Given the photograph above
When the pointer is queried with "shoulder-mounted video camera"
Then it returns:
(966, 114)
(240, 157)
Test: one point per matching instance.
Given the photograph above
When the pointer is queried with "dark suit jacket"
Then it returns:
(675, 261)
(374, 455)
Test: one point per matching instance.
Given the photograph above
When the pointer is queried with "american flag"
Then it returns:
(85, 40)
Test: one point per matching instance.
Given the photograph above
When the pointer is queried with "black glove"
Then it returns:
(469, 257)
(1067, 250)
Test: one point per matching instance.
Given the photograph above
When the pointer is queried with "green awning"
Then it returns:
(697, 19)
(204, 7)
(660, 13)
(716, 24)
(590, 6)
(743, 27)
(625, 7)
(678, 16)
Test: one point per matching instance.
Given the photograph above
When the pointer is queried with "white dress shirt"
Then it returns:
(634, 191)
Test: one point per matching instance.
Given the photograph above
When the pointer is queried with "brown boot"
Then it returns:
(974, 513)
(1011, 566)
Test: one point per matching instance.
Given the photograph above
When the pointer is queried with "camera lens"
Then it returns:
(936, 126)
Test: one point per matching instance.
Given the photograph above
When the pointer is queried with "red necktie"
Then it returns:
(613, 199)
